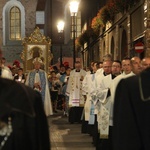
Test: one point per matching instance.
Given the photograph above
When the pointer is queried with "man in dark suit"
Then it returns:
(132, 113)
(23, 123)
(20, 77)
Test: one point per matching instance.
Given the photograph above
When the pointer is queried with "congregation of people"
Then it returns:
(85, 95)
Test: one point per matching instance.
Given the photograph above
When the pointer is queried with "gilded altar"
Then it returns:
(36, 45)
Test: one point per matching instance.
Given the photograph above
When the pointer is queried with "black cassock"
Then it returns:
(132, 113)
(29, 123)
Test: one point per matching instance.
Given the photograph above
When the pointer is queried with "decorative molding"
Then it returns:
(36, 37)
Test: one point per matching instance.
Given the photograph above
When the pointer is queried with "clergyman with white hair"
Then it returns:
(37, 79)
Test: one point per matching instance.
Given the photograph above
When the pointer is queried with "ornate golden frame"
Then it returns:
(40, 45)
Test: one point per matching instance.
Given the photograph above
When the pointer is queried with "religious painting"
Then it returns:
(36, 45)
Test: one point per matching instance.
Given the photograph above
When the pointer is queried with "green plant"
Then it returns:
(112, 9)
(105, 15)
(97, 23)
(86, 36)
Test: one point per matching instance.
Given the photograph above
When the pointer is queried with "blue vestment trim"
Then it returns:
(42, 79)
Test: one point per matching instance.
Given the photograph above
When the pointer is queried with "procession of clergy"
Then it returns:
(89, 93)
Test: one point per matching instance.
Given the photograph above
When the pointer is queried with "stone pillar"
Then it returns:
(107, 40)
(116, 52)
(147, 25)
(101, 45)
(107, 44)
(129, 33)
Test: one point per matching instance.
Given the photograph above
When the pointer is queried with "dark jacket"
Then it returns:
(132, 113)
(29, 123)
(17, 77)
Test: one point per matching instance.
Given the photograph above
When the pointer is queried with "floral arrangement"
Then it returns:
(85, 36)
(112, 9)
(107, 12)
(105, 15)
(96, 23)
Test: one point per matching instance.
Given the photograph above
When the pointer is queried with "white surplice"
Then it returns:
(6, 74)
(99, 75)
(105, 115)
(87, 86)
(74, 88)
(105, 106)
(114, 86)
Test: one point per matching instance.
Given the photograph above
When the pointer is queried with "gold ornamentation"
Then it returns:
(36, 37)
(36, 45)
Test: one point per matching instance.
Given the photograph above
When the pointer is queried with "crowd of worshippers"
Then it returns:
(86, 95)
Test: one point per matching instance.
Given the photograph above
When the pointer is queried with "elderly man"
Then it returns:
(105, 124)
(37, 79)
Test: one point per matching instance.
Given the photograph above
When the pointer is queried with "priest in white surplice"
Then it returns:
(127, 72)
(6, 74)
(106, 70)
(106, 98)
(87, 86)
(105, 111)
(37, 79)
(130, 67)
(5, 71)
(74, 91)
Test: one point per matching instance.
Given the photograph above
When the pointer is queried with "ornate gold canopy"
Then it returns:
(36, 45)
